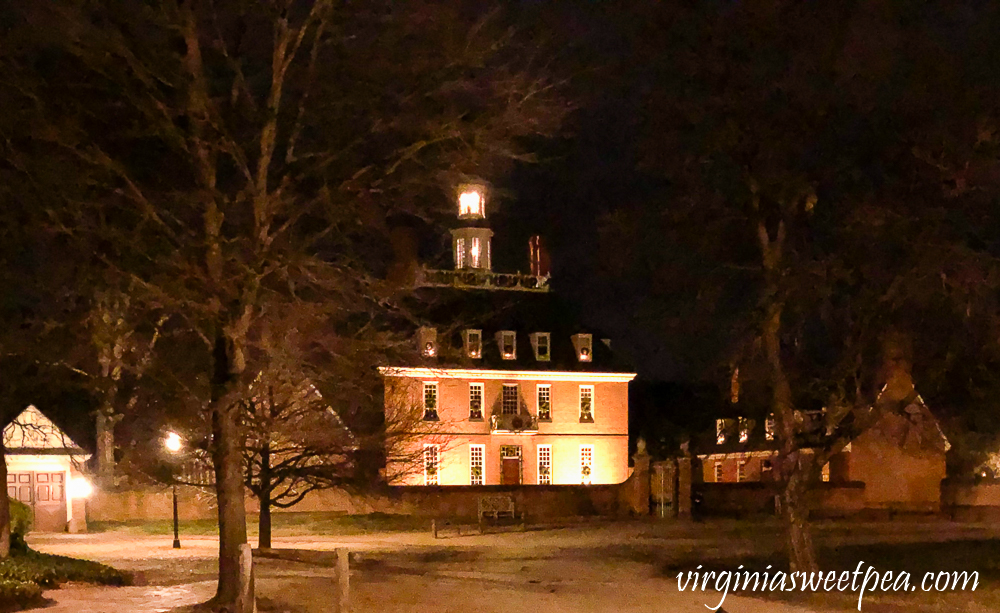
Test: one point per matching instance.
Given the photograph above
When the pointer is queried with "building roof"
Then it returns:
(32, 432)
(455, 311)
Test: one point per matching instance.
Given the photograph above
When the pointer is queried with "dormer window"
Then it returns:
(459, 253)
(473, 343)
(540, 343)
(769, 428)
(508, 344)
(584, 346)
(745, 427)
(720, 431)
(427, 342)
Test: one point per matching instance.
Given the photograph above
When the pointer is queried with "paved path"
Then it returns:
(583, 569)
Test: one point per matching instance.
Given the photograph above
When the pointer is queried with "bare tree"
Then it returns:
(237, 155)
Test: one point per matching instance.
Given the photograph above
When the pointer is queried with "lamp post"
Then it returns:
(173, 444)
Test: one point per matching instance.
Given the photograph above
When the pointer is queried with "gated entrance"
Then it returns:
(45, 493)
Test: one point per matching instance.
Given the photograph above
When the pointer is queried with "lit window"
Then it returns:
(474, 343)
(544, 464)
(587, 403)
(431, 457)
(769, 428)
(541, 341)
(477, 475)
(475, 401)
(430, 400)
(586, 463)
(427, 341)
(459, 253)
(718, 472)
(741, 470)
(508, 344)
(720, 431)
(545, 401)
(744, 429)
(826, 473)
(474, 253)
(584, 345)
(509, 399)
(470, 203)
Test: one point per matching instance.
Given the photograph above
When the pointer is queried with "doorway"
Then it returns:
(45, 493)
(510, 465)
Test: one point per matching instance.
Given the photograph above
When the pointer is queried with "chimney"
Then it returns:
(539, 257)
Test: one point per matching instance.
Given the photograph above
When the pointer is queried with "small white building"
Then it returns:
(44, 472)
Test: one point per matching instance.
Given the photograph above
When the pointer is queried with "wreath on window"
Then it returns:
(543, 470)
(477, 471)
(585, 471)
(431, 470)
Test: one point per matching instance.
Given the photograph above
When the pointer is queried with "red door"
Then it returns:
(511, 474)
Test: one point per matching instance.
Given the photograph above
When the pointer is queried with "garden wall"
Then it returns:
(975, 502)
(756, 498)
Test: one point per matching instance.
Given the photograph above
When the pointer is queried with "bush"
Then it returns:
(48, 570)
(21, 521)
(16, 595)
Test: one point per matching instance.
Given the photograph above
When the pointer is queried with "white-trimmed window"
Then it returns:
(741, 470)
(508, 399)
(475, 401)
(477, 466)
(587, 403)
(474, 343)
(541, 342)
(769, 428)
(430, 400)
(474, 253)
(508, 344)
(584, 346)
(586, 463)
(544, 464)
(718, 472)
(431, 464)
(720, 431)
(744, 429)
(544, 401)
(459, 253)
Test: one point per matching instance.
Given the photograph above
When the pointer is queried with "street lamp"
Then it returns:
(173, 444)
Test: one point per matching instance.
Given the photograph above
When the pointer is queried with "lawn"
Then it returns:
(282, 524)
(982, 556)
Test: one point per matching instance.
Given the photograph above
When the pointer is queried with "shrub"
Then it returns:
(16, 595)
(48, 571)
(21, 521)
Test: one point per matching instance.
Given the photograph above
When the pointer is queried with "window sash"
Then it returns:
(459, 253)
(430, 400)
(718, 472)
(586, 463)
(587, 402)
(475, 401)
(477, 454)
(509, 400)
(545, 464)
(474, 343)
(545, 401)
(431, 464)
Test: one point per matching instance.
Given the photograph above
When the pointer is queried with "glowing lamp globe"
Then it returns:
(172, 442)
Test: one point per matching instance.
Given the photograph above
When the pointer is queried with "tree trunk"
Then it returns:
(4, 505)
(106, 447)
(227, 459)
(264, 523)
(801, 552)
